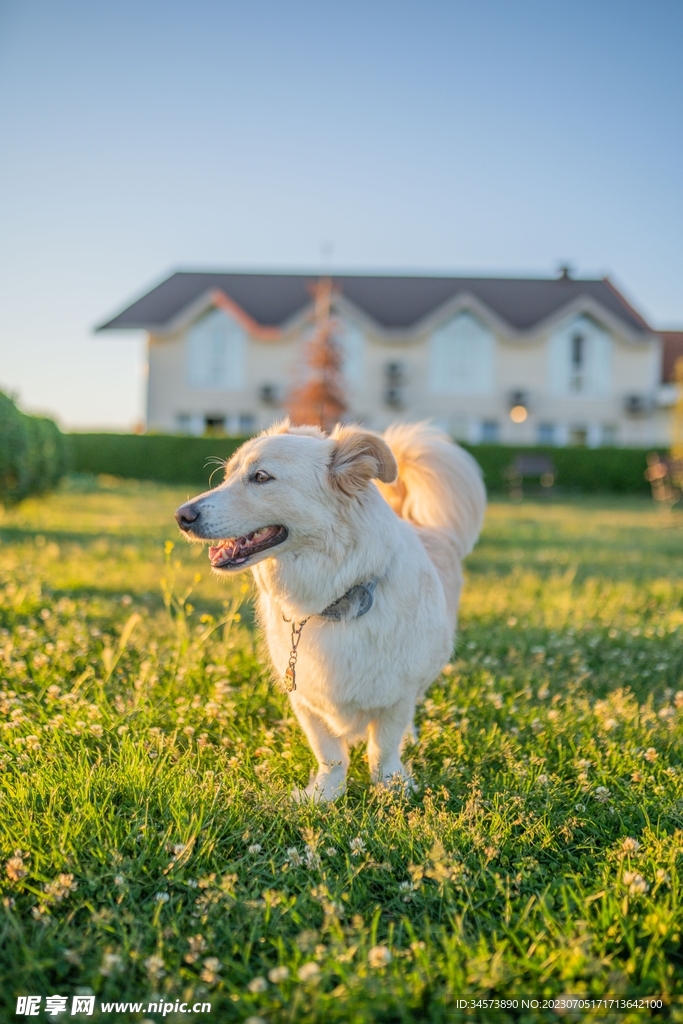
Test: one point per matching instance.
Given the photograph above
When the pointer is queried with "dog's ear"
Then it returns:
(359, 456)
(286, 426)
(279, 427)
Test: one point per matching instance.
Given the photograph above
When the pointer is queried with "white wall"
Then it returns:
(460, 374)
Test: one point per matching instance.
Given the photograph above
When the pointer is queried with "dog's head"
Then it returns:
(281, 490)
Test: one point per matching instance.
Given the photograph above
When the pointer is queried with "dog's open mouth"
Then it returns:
(237, 551)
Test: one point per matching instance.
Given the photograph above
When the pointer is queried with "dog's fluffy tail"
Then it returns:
(439, 484)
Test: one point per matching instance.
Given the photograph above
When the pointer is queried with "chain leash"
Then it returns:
(290, 675)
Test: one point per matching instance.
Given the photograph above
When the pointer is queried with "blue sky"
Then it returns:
(477, 136)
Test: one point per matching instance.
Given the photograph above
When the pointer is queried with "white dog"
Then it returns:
(358, 583)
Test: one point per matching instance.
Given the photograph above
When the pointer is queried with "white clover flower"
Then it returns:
(110, 963)
(294, 857)
(379, 956)
(651, 754)
(97, 730)
(278, 974)
(119, 880)
(162, 897)
(15, 868)
(212, 966)
(256, 985)
(357, 846)
(635, 882)
(308, 971)
(312, 857)
(61, 886)
(630, 845)
(579, 807)
(663, 877)
(602, 794)
(254, 848)
(155, 966)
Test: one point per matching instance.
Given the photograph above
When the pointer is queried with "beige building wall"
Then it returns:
(376, 398)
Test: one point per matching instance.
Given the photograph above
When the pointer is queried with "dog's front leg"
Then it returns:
(385, 739)
(332, 754)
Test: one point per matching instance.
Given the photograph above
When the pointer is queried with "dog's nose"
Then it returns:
(186, 515)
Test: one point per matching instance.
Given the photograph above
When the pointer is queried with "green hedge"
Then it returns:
(182, 459)
(585, 470)
(34, 454)
(168, 458)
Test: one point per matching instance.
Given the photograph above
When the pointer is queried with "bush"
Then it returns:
(177, 459)
(34, 454)
(584, 470)
(167, 458)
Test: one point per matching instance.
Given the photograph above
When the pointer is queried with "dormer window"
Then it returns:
(461, 357)
(580, 359)
(216, 353)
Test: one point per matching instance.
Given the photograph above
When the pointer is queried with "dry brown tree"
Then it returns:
(319, 398)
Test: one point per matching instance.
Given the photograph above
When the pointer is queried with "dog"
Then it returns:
(356, 542)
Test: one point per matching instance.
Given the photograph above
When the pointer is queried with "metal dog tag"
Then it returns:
(290, 679)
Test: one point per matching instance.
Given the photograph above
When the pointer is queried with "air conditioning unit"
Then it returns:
(638, 405)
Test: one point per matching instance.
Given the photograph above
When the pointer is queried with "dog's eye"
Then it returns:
(260, 476)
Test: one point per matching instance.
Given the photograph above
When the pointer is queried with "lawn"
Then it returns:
(151, 852)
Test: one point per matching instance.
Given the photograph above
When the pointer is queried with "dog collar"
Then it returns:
(357, 601)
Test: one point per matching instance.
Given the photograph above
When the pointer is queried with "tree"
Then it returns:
(319, 399)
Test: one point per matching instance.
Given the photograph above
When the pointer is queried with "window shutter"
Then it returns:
(558, 362)
(600, 361)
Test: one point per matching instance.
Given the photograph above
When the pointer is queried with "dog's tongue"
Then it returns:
(224, 552)
(238, 549)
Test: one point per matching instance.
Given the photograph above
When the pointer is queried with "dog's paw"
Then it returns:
(320, 790)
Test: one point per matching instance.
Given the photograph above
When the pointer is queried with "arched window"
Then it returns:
(216, 353)
(461, 357)
(580, 359)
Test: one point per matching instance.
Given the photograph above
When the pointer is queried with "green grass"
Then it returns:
(149, 844)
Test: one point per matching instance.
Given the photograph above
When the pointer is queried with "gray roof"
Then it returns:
(392, 301)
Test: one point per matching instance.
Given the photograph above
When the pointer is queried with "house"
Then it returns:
(514, 360)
